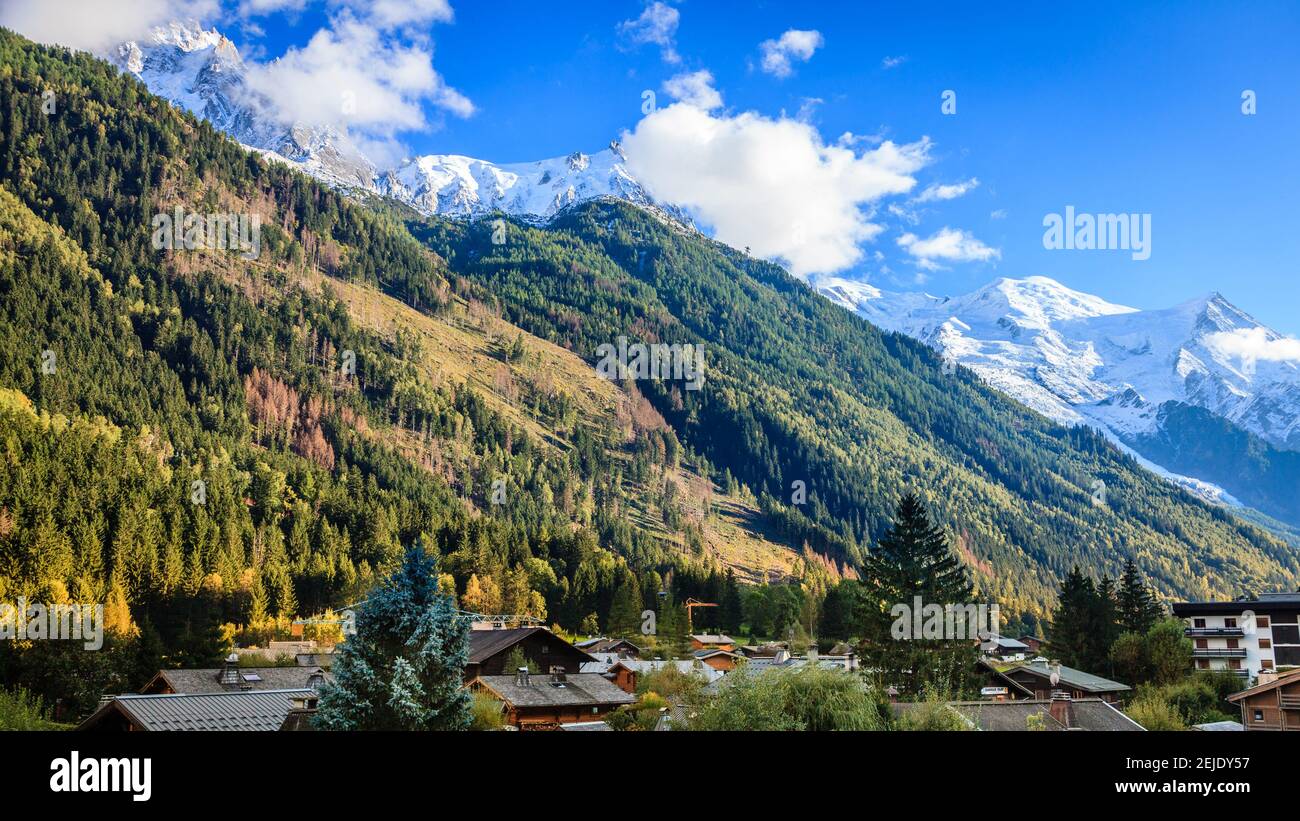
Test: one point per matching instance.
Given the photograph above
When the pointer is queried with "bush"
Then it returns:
(22, 710)
(807, 699)
(1153, 712)
(487, 713)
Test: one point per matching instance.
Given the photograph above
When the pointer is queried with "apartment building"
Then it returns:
(1247, 635)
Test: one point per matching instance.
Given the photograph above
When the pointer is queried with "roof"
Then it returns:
(1002, 716)
(603, 645)
(1289, 677)
(586, 727)
(640, 666)
(207, 680)
(1069, 677)
(1289, 601)
(484, 644)
(1219, 726)
(242, 710)
(1011, 644)
(711, 638)
(577, 690)
(710, 652)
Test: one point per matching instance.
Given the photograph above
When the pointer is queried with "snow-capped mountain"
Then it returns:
(465, 187)
(1078, 358)
(201, 71)
(1082, 360)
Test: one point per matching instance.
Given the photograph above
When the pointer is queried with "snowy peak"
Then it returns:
(461, 186)
(201, 71)
(1036, 301)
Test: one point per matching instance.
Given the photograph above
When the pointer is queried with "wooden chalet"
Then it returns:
(539, 702)
(1272, 704)
(490, 650)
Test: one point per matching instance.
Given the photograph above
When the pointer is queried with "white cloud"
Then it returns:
(946, 192)
(353, 77)
(1256, 344)
(657, 25)
(259, 8)
(947, 245)
(999, 214)
(389, 14)
(694, 89)
(795, 44)
(771, 185)
(893, 62)
(96, 25)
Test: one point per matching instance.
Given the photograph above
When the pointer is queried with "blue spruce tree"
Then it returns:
(403, 668)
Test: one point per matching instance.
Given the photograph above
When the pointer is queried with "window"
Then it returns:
(1266, 664)
(1259, 715)
(1198, 622)
(1203, 664)
(1229, 622)
(1265, 644)
(1202, 644)
(1234, 664)
(1232, 644)
(1261, 621)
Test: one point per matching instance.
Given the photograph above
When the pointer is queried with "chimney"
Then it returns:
(521, 677)
(1062, 709)
(557, 674)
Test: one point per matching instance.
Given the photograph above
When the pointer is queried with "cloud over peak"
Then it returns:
(770, 185)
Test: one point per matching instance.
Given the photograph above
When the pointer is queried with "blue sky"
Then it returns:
(1127, 108)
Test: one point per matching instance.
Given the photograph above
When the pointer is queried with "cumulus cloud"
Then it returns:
(96, 25)
(771, 185)
(893, 62)
(259, 8)
(694, 89)
(795, 44)
(352, 75)
(1256, 345)
(946, 245)
(657, 25)
(950, 191)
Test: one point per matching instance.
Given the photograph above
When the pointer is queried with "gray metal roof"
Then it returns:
(1089, 714)
(248, 710)
(208, 680)
(577, 690)
(1071, 677)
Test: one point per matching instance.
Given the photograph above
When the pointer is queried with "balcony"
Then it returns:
(1219, 652)
(1214, 632)
(1290, 702)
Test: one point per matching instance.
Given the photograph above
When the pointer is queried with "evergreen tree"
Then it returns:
(625, 612)
(403, 668)
(1138, 608)
(1074, 638)
(913, 560)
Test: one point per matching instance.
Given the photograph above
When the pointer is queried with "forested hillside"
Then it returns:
(183, 435)
(799, 390)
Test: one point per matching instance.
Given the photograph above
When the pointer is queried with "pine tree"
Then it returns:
(625, 611)
(1138, 608)
(913, 560)
(730, 610)
(1072, 637)
(403, 668)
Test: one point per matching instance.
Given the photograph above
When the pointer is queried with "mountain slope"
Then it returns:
(799, 390)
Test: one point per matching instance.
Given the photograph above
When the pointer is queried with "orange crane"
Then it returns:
(691, 604)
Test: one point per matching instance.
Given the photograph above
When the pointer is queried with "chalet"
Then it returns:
(1004, 648)
(265, 710)
(706, 641)
(1058, 713)
(1273, 704)
(1033, 680)
(769, 650)
(620, 647)
(230, 677)
(535, 702)
(1034, 644)
(490, 651)
(625, 673)
(718, 659)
